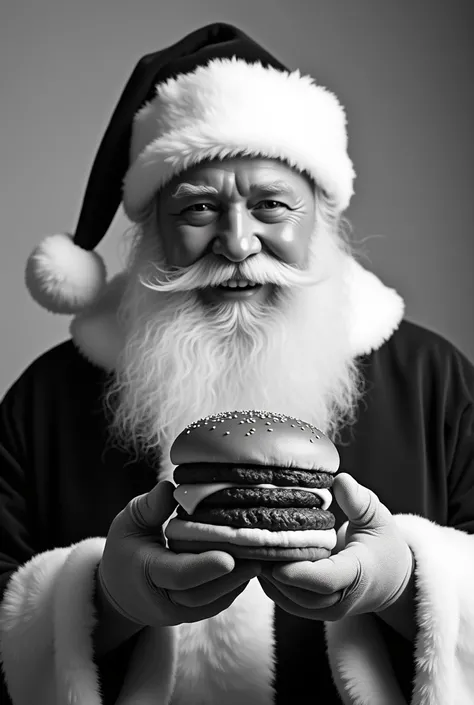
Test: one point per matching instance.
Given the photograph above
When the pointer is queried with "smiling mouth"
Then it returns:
(237, 285)
(236, 290)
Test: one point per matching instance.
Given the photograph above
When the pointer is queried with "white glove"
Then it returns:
(152, 586)
(369, 574)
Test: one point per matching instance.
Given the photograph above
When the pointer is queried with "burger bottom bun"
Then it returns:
(261, 553)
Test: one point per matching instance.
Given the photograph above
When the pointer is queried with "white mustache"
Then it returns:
(206, 272)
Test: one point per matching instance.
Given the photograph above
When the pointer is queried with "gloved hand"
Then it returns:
(368, 574)
(152, 586)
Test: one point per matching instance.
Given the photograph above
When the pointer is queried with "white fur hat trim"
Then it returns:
(231, 107)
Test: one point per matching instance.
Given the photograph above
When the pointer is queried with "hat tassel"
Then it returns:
(63, 277)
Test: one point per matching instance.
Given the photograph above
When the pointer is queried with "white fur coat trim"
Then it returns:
(444, 649)
(225, 660)
(375, 314)
(46, 621)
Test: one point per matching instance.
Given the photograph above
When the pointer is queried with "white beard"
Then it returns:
(184, 360)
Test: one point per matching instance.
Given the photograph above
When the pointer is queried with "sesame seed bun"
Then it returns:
(257, 438)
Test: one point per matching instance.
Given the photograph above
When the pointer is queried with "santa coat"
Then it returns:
(62, 484)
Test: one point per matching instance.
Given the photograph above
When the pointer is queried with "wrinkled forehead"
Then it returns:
(270, 174)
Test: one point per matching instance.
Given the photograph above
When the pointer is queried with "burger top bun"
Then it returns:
(255, 437)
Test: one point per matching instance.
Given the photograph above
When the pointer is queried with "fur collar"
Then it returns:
(376, 313)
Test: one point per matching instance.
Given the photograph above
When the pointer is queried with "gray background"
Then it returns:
(403, 69)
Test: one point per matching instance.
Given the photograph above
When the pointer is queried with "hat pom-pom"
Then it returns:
(63, 277)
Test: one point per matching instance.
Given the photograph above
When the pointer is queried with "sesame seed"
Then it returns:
(227, 433)
(270, 429)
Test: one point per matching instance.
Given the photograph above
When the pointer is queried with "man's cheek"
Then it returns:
(289, 244)
(183, 249)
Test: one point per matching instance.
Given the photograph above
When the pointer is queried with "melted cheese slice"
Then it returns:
(195, 531)
(189, 496)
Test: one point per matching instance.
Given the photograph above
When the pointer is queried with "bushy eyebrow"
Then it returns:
(273, 187)
(184, 190)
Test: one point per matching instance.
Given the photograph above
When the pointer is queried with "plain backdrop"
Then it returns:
(402, 68)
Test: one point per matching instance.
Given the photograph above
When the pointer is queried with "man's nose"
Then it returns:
(236, 238)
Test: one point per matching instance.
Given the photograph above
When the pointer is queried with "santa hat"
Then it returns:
(214, 94)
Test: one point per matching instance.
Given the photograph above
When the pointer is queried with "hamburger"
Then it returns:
(254, 484)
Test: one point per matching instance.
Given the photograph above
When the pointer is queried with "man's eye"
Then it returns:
(270, 204)
(199, 208)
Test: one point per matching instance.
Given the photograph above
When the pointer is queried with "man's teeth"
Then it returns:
(240, 283)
